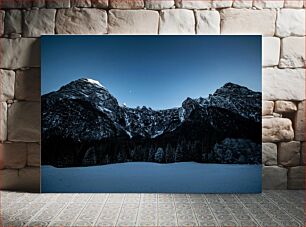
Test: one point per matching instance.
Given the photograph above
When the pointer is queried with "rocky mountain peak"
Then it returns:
(143, 121)
(189, 103)
(86, 88)
(230, 89)
(84, 84)
(238, 99)
(84, 114)
(89, 91)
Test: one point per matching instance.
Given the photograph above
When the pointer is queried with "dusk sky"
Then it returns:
(154, 71)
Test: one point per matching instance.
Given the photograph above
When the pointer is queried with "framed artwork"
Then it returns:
(166, 114)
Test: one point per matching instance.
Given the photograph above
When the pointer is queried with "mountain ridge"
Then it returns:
(85, 112)
(108, 104)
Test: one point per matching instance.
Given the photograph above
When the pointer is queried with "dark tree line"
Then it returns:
(67, 153)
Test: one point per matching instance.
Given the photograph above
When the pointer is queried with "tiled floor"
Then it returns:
(271, 208)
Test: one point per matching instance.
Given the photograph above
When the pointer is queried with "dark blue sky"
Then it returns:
(156, 71)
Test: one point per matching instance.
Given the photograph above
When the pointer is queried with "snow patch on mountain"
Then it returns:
(181, 114)
(158, 133)
(94, 82)
(90, 102)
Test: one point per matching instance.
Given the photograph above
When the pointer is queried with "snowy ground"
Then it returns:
(147, 177)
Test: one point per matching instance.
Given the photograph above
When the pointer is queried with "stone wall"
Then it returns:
(281, 22)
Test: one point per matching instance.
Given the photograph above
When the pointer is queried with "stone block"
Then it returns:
(39, 22)
(27, 86)
(159, 4)
(248, 21)
(15, 4)
(81, 21)
(269, 154)
(293, 52)
(3, 121)
(303, 158)
(242, 4)
(222, 3)
(33, 154)
(299, 122)
(285, 107)
(7, 85)
(293, 4)
(271, 51)
(39, 3)
(267, 107)
(25, 180)
(290, 22)
(133, 21)
(13, 21)
(192, 4)
(24, 122)
(207, 22)
(9, 179)
(277, 129)
(56, 4)
(274, 178)
(283, 84)
(296, 176)
(2, 15)
(262, 4)
(13, 155)
(277, 115)
(30, 179)
(126, 4)
(177, 21)
(20, 53)
(99, 3)
(80, 3)
(13, 36)
(289, 153)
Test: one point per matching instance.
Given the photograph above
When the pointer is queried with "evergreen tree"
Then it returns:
(169, 154)
(178, 153)
(120, 157)
(138, 153)
(159, 155)
(106, 159)
(151, 154)
(90, 157)
(132, 153)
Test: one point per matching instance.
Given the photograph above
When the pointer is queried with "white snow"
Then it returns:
(147, 177)
(182, 114)
(157, 133)
(94, 82)
(70, 96)
(103, 109)
(129, 133)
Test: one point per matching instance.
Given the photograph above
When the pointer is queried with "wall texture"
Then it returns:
(281, 22)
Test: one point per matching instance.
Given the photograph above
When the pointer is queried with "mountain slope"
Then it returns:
(83, 117)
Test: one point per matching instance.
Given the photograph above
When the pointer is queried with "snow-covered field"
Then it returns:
(147, 177)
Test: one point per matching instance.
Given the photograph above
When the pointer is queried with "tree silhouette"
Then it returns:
(159, 155)
(169, 154)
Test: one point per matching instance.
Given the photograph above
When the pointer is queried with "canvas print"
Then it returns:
(169, 114)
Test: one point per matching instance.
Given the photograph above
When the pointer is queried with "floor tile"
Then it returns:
(271, 208)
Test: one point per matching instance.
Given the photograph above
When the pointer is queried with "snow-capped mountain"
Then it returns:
(84, 112)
